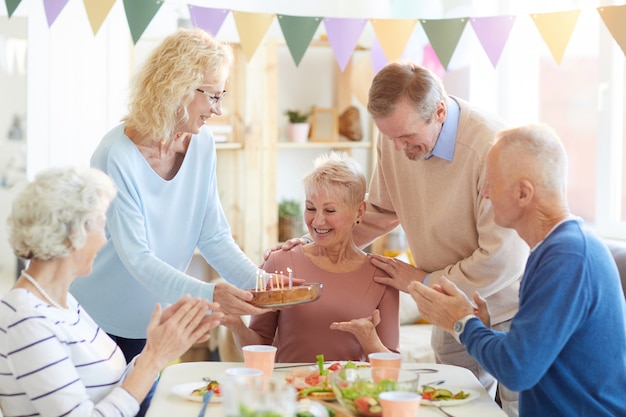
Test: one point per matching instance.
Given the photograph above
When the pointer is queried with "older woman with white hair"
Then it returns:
(359, 315)
(54, 359)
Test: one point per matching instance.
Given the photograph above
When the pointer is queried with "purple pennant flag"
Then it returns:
(379, 60)
(207, 19)
(343, 35)
(53, 9)
(493, 32)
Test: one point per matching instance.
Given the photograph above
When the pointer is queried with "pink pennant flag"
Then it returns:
(493, 32)
(208, 19)
(53, 9)
(343, 35)
(432, 62)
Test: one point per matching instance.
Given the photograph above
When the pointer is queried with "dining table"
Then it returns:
(167, 403)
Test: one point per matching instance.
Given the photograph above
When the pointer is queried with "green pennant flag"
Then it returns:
(12, 5)
(298, 32)
(444, 36)
(139, 14)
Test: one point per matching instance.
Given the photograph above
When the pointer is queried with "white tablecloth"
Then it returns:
(167, 404)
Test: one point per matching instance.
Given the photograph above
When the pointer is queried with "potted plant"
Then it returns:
(290, 223)
(298, 127)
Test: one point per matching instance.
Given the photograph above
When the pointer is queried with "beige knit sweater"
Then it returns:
(448, 224)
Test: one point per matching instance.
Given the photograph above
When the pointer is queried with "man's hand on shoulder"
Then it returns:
(401, 273)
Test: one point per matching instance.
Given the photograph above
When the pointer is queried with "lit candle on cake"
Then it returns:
(290, 277)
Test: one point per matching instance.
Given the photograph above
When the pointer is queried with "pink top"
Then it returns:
(303, 331)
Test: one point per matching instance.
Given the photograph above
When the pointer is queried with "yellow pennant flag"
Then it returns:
(393, 35)
(251, 28)
(97, 11)
(556, 30)
(614, 18)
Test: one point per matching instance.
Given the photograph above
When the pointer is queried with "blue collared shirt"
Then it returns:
(444, 148)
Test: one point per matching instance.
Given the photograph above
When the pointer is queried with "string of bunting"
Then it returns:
(392, 35)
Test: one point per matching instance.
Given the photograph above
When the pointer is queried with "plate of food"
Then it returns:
(314, 382)
(447, 396)
(194, 391)
(284, 296)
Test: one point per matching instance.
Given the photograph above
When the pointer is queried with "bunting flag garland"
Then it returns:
(492, 33)
(556, 29)
(12, 5)
(343, 35)
(298, 32)
(444, 36)
(97, 11)
(53, 9)
(614, 18)
(207, 19)
(139, 14)
(252, 27)
(393, 35)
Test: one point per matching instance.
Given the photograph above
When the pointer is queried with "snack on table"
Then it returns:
(276, 297)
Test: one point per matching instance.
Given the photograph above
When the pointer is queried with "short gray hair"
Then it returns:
(49, 215)
(336, 171)
(540, 146)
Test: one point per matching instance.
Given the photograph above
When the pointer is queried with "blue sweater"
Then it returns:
(566, 349)
(153, 229)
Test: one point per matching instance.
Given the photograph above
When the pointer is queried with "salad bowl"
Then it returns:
(358, 389)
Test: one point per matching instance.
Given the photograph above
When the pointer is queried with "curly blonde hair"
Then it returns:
(166, 84)
(50, 217)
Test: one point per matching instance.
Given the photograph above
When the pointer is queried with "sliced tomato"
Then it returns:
(335, 366)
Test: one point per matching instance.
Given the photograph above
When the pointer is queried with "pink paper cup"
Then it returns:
(260, 357)
(389, 362)
(399, 403)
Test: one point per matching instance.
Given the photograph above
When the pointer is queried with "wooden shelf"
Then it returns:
(228, 146)
(324, 145)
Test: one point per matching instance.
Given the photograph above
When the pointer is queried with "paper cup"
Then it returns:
(390, 363)
(399, 404)
(260, 357)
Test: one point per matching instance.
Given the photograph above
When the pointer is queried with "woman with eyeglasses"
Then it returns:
(162, 159)
(54, 359)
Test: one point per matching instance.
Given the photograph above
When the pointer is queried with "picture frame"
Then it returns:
(324, 125)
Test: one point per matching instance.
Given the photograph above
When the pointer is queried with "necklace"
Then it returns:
(41, 291)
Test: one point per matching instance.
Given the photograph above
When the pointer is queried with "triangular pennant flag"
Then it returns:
(139, 14)
(556, 29)
(298, 32)
(444, 36)
(614, 18)
(393, 35)
(53, 9)
(343, 35)
(207, 19)
(377, 56)
(252, 28)
(493, 32)
(12, 5)
(97, 11)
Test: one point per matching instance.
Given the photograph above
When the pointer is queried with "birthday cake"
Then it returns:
(280, 297)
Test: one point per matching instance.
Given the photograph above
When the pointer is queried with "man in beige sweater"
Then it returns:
(430, 170)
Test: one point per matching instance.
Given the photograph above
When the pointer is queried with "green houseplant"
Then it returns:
(290, 223)
(298, 127)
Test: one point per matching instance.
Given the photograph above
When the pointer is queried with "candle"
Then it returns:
(276, 279)
(290, 277)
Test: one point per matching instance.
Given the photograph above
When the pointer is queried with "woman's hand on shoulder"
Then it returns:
(286, 246)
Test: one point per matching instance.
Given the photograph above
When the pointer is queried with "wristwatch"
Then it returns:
(459, 326)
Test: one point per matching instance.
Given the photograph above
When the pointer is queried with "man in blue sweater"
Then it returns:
(566, 349)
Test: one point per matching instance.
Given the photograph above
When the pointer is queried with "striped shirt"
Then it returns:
(58, 362)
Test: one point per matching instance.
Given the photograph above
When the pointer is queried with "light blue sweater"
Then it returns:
(566, 349)
(153, 229)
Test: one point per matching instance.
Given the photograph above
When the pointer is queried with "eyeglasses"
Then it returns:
(213, 98)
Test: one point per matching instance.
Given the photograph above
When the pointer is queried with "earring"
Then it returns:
(358, 221)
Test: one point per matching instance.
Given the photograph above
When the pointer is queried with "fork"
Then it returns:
(205, 401)
(438, 407)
